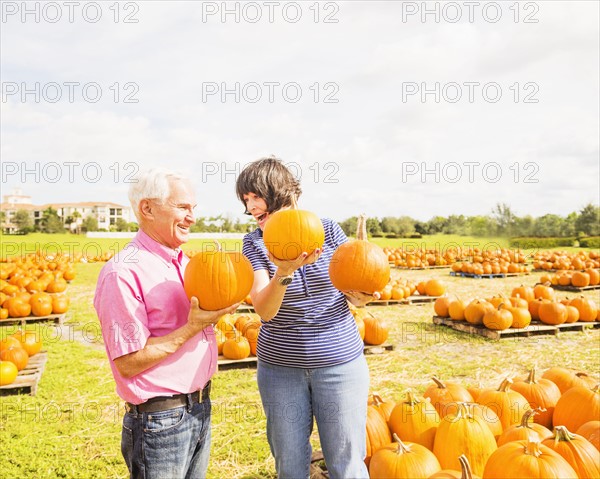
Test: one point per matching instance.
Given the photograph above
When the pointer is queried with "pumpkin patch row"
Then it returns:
(400, 288)
(34, 287)
(454, 431)
(489, 267)
(579, 279)
(517, 311)
(422, 257)
(564, 260)
(15, 352)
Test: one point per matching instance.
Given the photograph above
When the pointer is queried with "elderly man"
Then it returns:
(161, 346)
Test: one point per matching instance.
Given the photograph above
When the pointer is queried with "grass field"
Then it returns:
(71, 428)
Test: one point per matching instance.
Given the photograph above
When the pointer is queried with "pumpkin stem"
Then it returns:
(439, 383)
(361, 228)
(532, 448)
(217, 244)
(376, 399)
(531, 378)
(465, 467)
(402, 448)
(561, 433)
(505, 385)
(527, 418)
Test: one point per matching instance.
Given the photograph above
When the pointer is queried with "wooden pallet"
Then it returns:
(424, 267)
(536, 328)
(382, 348)
(52, 318)
(224, 364)
(28, 378)
(487, 276)
(416, 299)
(575, 289)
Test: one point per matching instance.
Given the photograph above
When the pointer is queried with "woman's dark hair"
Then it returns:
(271, 180)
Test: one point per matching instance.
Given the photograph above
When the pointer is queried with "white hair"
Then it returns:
(153, 184)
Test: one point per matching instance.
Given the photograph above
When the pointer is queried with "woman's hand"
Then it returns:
(287, 267)
(358, 298)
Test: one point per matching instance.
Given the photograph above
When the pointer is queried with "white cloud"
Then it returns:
(366, 140)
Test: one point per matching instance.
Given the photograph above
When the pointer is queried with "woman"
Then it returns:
(310, 355)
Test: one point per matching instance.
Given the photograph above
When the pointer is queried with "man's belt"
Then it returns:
(164, 403)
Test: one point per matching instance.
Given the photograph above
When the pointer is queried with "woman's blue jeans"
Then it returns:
(336, 397)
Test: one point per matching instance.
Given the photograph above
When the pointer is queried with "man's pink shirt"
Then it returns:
(139, 295)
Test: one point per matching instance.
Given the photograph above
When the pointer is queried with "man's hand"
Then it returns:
(358, 298)
(198, 319)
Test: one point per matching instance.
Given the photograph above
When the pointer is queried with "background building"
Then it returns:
(72, 215)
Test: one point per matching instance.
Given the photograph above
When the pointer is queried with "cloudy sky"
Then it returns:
(389, 108)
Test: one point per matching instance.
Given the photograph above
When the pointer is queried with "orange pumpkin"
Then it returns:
(440, 306)
(359, 265)
(16, 355)
(577, 406)
(553, 313)
(541, 393)
(463, 433)
(378, 433)
(218, 279)
(416, 420)
(508, 405)
(434, 287)
(445, 397)
(475, 311)
(60, 303)
(526, 430)
(289, 233)
(41, 304)
(498, 319)
(403, 460)
(583, 457)
(30, 340)
(17, 307)
(591, 431)
(236, 347)
(527, 459)
(376, 331)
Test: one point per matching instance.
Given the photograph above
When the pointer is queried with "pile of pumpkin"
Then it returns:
(497, 266)
(237, 334)
(15, 352)
(530, 428)
(423, 258)
(525, 304)
(34, 287)
(579, 279)
(402, 288)
(564, 260)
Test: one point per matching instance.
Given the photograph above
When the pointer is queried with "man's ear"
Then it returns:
(146, 209)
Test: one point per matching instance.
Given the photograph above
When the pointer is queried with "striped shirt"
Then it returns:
(314, 327)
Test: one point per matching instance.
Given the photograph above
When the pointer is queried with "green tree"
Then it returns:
(349, 226)
(23, 221)
(481, 226)
(50, 222)
(90, 223)
(405, 226)
(121, 225)
(549, 225)
(505, 219)
(373, 226)
(588, 221)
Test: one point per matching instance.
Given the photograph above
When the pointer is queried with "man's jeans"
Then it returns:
(172, 444)
(337, 398)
